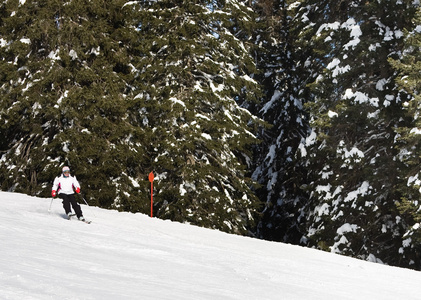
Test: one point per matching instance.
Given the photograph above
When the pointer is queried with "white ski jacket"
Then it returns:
(65, 185)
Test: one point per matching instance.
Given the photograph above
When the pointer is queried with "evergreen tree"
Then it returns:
(353, 171)
(66, 101)
(281, 61)
(194, 68)
(409, 80)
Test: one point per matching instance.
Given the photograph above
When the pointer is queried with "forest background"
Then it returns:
(291, 121)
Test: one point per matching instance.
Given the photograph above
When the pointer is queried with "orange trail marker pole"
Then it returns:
(151, 178)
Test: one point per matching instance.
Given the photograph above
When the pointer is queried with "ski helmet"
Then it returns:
(66, 169)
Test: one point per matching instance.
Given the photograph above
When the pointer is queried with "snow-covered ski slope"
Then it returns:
(131, 256)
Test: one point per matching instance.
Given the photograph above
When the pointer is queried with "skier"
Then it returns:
(65, 185)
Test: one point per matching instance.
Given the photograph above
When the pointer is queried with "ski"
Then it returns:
(69, 217)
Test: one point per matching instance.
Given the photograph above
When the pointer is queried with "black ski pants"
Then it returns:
(70, 199)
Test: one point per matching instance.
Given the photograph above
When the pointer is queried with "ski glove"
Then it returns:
(53, 193)
(77, 190)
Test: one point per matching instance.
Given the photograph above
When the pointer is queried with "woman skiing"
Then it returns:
(65, 185)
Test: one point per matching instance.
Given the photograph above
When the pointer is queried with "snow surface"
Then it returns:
(133, 256)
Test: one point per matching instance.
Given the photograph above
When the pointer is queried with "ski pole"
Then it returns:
(88, 205)
(85, 200)
(51, 203)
